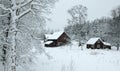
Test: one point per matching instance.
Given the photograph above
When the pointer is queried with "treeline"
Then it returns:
(108, 28)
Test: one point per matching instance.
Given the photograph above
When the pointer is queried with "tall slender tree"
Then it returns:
(78, 14)
(17, 10)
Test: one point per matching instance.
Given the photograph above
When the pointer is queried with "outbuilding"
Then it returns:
(97, 43)
(56, 39)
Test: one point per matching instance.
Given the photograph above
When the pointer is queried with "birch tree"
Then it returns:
(17, 10)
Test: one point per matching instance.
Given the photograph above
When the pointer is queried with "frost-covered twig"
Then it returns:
(24, 4)
(3, 7)
(4, 15)
(24, 13)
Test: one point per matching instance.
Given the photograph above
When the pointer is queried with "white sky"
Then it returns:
(96, 9)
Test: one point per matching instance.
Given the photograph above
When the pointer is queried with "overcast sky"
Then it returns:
(96, 9)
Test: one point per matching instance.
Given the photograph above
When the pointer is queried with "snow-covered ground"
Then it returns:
(73, 58)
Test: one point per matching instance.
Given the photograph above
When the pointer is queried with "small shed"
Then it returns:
(97, 43)
(56, 39)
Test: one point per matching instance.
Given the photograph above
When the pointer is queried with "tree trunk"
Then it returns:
(12, 41)
(117, 46)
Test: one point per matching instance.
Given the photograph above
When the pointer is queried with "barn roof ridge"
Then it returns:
(55, 35)
(93, 40)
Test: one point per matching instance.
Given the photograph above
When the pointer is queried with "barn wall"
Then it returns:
(63, 38)
(99, 42)
(60, 41)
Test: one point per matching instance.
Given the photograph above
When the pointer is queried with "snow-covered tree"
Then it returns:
(17, 27)
(115, 24)
(78, 14)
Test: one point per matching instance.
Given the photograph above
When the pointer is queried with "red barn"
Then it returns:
(56, 39)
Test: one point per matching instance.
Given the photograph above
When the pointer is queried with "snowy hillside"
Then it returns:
(72, 58)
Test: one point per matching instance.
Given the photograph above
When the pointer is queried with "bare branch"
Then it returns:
(24, 13)
(3, 7)
(24, 4)
(4, 15)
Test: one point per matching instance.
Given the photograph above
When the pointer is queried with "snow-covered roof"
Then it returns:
(55, 35)
(93, 40)
(105, 43)
(48, 42)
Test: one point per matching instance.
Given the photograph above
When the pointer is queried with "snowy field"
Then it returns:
(72, 58)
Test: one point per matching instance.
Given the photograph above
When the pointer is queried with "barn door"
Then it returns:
(98, 46)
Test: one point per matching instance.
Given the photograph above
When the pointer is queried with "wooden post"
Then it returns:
(117, 46)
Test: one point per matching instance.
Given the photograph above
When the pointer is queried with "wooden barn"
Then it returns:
(56, 39)
(97, 43)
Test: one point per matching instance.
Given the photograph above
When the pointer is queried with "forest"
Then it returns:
(81, 29)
